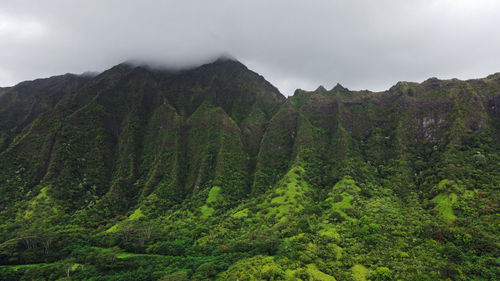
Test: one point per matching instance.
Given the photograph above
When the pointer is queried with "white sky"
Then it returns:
(293, 44)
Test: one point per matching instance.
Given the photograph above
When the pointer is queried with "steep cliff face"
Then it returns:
(426, 126)
(115, 137)
(217, 155)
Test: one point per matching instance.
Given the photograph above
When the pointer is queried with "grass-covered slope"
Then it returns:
(211, 174)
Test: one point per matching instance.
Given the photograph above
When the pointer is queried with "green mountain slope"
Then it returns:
(212, 174)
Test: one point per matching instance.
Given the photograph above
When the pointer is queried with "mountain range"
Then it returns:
(210, 173)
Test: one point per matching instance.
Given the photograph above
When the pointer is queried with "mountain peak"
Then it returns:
(495, 76)
(339, 88)
(320, 89)
(226, 61)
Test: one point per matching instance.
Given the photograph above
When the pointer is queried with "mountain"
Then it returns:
(211, 173)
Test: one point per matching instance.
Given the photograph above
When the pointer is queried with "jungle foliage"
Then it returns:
(212, 174)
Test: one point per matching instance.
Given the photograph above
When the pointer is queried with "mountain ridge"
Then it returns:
(228, 58)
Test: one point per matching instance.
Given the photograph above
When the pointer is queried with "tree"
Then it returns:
(46, 242)
(176, 276)
(68, 266)
(382, 274)
(29, 241)
(145, 234)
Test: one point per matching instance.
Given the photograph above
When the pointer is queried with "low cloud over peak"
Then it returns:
(294, 44)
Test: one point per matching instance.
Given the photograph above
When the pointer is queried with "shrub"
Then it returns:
(382, 274)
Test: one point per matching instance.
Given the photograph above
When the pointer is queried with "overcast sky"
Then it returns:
(294, 44)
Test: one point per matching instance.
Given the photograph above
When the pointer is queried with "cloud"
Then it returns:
(15, 29)
(294, 44)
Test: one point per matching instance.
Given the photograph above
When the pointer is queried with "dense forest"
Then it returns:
(211, 173)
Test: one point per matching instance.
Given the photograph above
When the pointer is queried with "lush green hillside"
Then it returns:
(212, 174)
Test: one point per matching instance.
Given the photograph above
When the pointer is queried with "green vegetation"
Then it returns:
(289, 194)
(255, 268)
(211, 174)
(444, 205)
(211, 199)
(240, 214)
(359, 272)
(317, 275)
